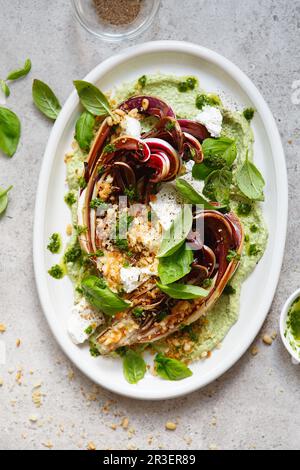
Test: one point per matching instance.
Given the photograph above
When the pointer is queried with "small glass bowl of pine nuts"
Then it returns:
(115, 20)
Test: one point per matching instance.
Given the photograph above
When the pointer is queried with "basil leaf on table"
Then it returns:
(45, 100)
(101, 297)
(92, 98)
(5, 88)
(176, 266)
(191, 195)
(4, 199)
(10, 131)
(177, 233)
(171, 369)
(217, 186)
(250, 181)
(183, 291)
(15, 74)
(134, 367)
(84, 130)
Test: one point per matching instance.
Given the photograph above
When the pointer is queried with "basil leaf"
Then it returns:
(171, 369)
(4, 199)
(177, 233)
(250, 181)
(200, 171)
(220, 147)
(10, 131)
(15, 74)
(183, 291)
(5, 88)
(101, 297)
(191, 195)
(45, 100)
(134, 367)
(84, 130)
(92, 98)
(176, 266)
(217, 186)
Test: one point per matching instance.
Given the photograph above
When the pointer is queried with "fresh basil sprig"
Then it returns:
(92, 98)
(183, 291)
(16, 74)
(10, 131)
(191, 195)
(217, 186)
(4, 199)
(134, 366)
(250, 181)
(176, 266)
(45, 100)
(5, 88)
(177, 233)
(101, 297)
(84, 130)
(171, 369)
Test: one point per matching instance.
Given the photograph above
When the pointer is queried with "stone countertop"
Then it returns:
(251, 406)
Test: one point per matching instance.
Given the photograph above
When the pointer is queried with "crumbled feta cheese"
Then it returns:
(211, 118)
(133, 277)
(83, 322)
(167, 205)
(131, 126)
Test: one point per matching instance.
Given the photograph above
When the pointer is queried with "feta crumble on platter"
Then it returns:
(131, 126)
(83, 321)
(212, 119)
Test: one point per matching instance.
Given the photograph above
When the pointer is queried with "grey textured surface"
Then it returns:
(252, 405)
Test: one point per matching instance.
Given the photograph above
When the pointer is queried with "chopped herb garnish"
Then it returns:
(82, 182)
(54, 244)
(97, 254)
(131, 193)
(56, 271)
(101, 170)
(80, 229)
(97, 202)
(89, 330)
(207, 283)
(137, 312)
(232, 254)
(211, 100)
(72, 254)
(244, 208)
(253, 250)
(191, 82)
(109, 148)
(170, 125)
(70, 199)
(142, 81)
(247, 238)
(94, 351)
(229, 290)
(182, 87)
(248, 113)
(253, 228)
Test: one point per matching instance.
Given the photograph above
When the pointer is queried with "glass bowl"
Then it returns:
(86, 13)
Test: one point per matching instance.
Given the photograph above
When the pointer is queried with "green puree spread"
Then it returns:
(207, 333)
(292, 332)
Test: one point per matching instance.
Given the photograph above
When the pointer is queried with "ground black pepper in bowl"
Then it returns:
(118, 12)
